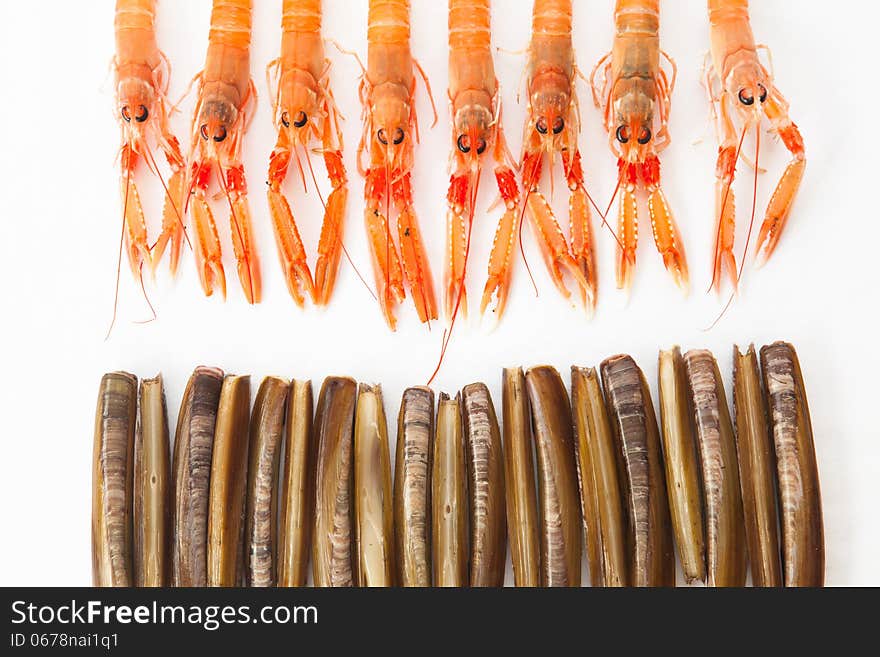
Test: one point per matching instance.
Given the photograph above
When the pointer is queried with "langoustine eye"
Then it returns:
(464, 144)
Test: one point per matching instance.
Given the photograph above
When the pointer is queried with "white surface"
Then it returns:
(61, 213)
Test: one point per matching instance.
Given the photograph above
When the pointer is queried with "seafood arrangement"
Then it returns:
(632, 86)
(295, 490)
(554, 474)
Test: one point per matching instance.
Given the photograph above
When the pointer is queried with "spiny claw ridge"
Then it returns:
(172, 223)
(553, 246)
(330, 246)
(387, 271)
(724, 261)
(248, 263)
(779, 209)
(415, 263)
(628, 234)
(291, 251)
(668, 239)
(136, 246)
(207, 248)
(454, 290)
(582, 247)
(500, 270)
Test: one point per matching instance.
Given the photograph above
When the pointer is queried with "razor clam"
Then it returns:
(152, 488)
(725, 527)
(557, 478)
(412, 487)
(332, 562)
(682, 468)
(193, 447)
(449, 497)
(756, 469)
(374, 540)
(229, 463)
(267, 427)
(522, 506)
(485, 465)
(800, 501)
(649, 532)
(115, 420)
(601, 503)
(297, 488)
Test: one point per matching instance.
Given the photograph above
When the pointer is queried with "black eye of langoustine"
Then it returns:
(558, 125)
(763, 95)
(142, 114)
(464, 145)
(125, 115)
(541, 126)
(285, 119)
(398, 136)
(745, 97)
(644, 136)
(301, 120)
(622, 134)
(218, 137)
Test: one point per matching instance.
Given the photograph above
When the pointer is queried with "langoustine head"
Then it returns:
(550, 101)
(390, 121)
(473, 124)
(299, 108)
(632, 132)
(216, 119)
(748, 84)
(137, 104)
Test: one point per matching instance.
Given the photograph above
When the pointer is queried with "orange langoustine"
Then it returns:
(387, 92)
(305, 112)
(475, 108)
(635, 98)
(552, 127)
(740, 85)
(142, 75)
(226, 104)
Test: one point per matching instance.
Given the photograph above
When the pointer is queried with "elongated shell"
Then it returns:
(485, 466)
(193, 449)
(374, 539)
(682, 467)
(449, 497)
(267, 428)
(152, 489)
(557, 478)
(725, 527)
(519, 471)
(757, 469)
(229, 466)
(332, 558)
(115, 419)
(601, 504)
(800, 501)
(649, 528)
(412, 487)
(297, 488)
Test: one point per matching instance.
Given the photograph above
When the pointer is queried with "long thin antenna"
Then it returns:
(447, 334)
(724, 198)
(121, 241)
(751, 225)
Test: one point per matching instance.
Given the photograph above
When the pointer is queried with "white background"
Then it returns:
(60, 214)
